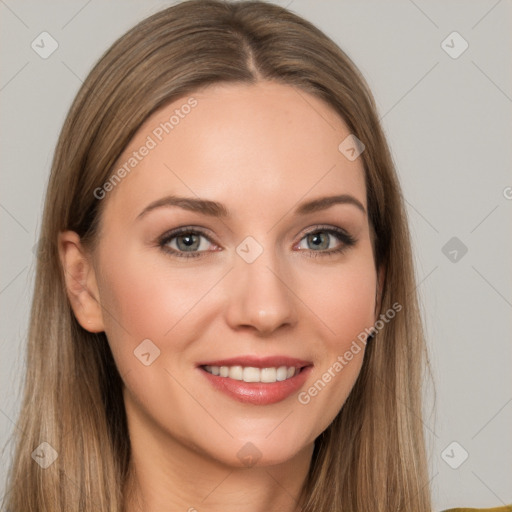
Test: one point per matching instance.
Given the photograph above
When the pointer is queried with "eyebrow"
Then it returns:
(215, 209)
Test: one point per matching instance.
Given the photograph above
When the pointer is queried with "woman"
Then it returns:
(225, 313)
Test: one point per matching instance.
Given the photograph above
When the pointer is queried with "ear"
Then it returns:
(381, 275)
(80, 279)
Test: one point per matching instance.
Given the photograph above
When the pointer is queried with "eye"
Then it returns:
(320, 239)
(185, 242)
(188, 242)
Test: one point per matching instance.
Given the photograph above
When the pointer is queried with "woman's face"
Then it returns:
(256, 280)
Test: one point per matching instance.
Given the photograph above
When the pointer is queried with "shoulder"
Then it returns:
(505, 508)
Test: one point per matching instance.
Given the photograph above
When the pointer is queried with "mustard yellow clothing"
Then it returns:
(505, 508)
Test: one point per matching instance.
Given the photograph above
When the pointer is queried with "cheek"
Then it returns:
(343, 298)
(144, 298)
(344, 301)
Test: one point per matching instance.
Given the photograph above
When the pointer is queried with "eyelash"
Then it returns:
(346, 239)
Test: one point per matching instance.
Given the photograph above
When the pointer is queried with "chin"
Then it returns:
(263, 451)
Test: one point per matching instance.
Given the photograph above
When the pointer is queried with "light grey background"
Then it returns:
(448, 122)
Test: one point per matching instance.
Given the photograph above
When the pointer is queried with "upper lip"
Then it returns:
(259, 362)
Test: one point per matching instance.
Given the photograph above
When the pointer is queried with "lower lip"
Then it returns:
(258, 393)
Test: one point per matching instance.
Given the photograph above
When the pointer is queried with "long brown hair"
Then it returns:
(372, 457)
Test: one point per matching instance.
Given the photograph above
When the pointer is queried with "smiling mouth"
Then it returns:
(257, 381)
(253, 374)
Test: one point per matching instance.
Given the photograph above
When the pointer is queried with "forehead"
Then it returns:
(248, 146)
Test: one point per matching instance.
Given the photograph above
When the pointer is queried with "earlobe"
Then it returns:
(80, 279)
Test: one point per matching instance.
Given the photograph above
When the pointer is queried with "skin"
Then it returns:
(260, 150)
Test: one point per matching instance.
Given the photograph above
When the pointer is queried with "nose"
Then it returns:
(261, 296)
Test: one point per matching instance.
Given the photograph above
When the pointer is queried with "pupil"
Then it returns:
(317, 237)
(188, 240)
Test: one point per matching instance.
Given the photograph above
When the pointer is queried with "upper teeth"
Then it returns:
(251, 374)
